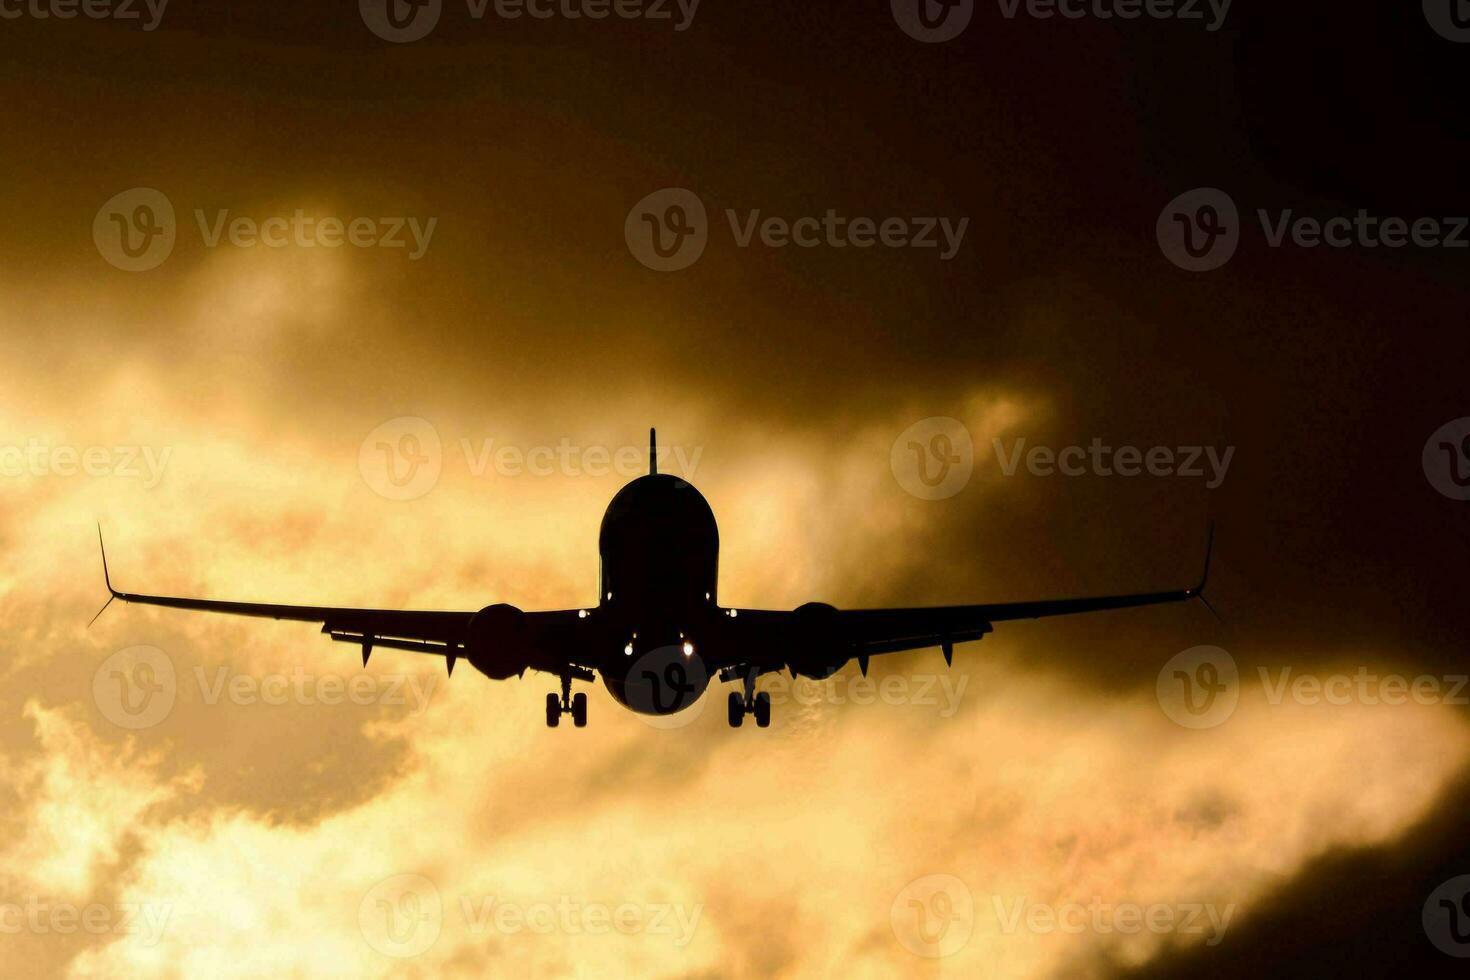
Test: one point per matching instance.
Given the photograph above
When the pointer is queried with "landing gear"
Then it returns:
(750, 703)
(566, 704)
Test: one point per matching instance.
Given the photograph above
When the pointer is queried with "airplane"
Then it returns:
(658, 631)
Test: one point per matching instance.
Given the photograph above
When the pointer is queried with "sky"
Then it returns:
(433, 414)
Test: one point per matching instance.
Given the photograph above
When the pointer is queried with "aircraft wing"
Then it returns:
(891, 630)
(866, 632)
(434, 632)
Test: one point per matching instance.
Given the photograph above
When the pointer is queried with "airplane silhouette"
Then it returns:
(658, 630)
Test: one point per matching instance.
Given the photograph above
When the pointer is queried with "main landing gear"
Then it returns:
(567, 704)
(749, 703)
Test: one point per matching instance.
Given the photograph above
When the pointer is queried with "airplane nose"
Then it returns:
(662, 678)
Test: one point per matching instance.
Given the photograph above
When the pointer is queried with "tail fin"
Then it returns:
(653, 452)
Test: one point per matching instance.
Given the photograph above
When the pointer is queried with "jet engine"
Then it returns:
(497, 644)
(815, 646)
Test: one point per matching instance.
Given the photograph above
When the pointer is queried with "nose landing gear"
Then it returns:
(750, 703)
(567, 704)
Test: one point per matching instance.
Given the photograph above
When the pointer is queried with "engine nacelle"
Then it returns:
(497, 644)
(815, 646)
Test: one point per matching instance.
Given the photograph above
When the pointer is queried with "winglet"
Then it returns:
(1198, 592)
(111, 592)
(105, 576)
(653, 452)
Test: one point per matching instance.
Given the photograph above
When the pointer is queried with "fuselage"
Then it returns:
(657, 595)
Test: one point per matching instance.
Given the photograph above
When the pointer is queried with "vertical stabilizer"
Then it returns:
(653, 452)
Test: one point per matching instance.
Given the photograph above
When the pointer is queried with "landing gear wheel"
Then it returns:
(579, 710)
(736, 709)
(553, 711)
(763, 709)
